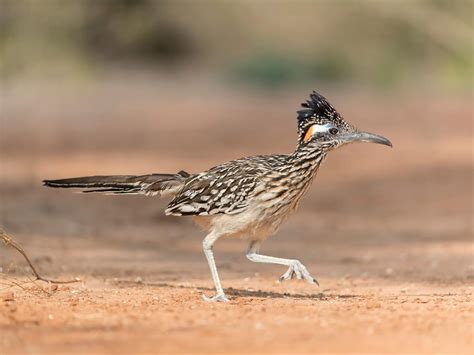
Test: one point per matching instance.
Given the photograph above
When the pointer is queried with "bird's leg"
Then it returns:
(207, 245)
(295, 267)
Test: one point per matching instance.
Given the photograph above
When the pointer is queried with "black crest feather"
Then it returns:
(317, 107)
(317, 110)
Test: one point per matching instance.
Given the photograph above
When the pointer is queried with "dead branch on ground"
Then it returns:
(9, 241)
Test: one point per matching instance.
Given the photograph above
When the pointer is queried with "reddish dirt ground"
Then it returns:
(387, 232)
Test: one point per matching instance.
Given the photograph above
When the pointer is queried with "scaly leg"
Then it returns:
(295, 267)
(207, 245)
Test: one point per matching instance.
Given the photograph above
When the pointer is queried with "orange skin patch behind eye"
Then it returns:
(309, 134)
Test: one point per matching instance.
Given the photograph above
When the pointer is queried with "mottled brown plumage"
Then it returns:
(249, 197)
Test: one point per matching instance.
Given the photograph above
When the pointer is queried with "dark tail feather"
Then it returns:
(153, 184)
(93, 181)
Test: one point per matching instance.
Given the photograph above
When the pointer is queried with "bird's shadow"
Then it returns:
(323, 296)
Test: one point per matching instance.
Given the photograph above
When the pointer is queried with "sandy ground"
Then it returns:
(387, 232)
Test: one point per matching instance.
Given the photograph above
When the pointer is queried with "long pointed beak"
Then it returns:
(365, 137)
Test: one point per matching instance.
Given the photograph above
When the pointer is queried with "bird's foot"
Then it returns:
(298, 270)
(220, 297)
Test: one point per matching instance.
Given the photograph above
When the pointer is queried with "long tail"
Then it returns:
(151, 185)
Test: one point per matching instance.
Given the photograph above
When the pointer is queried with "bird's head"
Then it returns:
(321, 125)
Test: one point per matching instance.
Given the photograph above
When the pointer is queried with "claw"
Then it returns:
(216, 298)
(298, 270)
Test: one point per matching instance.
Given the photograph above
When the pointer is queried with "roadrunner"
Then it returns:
(249, 197)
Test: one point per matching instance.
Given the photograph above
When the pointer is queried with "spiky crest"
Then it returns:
(317, 110)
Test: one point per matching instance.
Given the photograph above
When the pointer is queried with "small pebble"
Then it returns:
(11, 306)
(7, 296)
(373, 304)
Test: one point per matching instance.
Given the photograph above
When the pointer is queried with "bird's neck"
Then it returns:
(296, 175)
(305, 161)
(307, 154)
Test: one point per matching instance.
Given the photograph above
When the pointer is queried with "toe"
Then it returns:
(221, 298)
(312, 280)
(216, 298)
(287, 275)
(207, 299)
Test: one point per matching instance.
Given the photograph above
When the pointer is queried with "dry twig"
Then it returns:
(9, 241)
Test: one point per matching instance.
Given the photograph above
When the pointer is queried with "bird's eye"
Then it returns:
(334, 131)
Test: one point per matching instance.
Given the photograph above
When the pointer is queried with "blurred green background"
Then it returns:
(265, 44)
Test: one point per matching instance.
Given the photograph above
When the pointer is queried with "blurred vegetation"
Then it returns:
(263, 42)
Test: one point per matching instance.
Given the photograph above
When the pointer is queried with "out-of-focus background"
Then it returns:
(134, 87)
